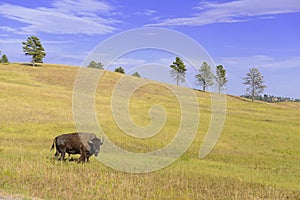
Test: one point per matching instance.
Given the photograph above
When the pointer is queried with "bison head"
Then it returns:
(95, 145)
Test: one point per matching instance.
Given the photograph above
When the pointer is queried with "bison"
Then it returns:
(85, 144)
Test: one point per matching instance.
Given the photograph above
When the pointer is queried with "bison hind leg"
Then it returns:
(83, 155)
(62, 157)
(56, 154)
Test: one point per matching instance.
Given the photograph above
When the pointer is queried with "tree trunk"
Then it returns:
(32, 61)
(253, 90)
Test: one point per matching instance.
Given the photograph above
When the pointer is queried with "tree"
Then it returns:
(178, 70)
(94, 64)
(120, 70)
(220, 77)
(205, 76)
(4, 59)
(33, 47)
(136, 74)
(255, 81)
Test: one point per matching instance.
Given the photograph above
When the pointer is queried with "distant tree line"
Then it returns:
(99, 65)
(206, 78)
(271, 98)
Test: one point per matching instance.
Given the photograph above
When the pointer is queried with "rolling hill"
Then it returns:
(257, 156)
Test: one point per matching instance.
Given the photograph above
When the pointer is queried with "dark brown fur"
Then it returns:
(85, 144)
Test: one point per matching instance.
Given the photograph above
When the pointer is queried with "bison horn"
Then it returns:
(90, 142)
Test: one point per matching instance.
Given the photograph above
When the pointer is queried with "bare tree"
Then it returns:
(255, 81)
(205, 76)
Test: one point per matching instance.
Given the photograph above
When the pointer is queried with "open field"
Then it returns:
(257, 156)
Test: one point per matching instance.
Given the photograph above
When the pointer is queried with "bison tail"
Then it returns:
(54, 141)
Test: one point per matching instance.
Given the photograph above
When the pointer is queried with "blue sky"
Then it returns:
(237, 34)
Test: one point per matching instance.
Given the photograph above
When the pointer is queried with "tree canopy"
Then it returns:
(136, 74)
(120, 70)
(94, 64)
(3, 59)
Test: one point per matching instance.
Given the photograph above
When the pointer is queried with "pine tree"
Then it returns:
(120, 70)
(178, 70)
(33, 47)
(255, 81)
(4, 59)
(220, 77)
(136, 74)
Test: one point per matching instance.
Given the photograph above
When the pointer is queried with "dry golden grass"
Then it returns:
(257, 157)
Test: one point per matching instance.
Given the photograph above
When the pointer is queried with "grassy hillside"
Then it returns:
(257, 157)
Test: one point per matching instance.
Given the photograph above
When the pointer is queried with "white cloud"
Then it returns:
(147, 12)
(11, 41)
(7, 29)
(64, 17)
(82, 7)
(166, 61)
(129, 62)
(261, 61)
(234, 11)
(19, 41)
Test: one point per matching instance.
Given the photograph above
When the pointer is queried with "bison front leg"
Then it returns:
(88, 157)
